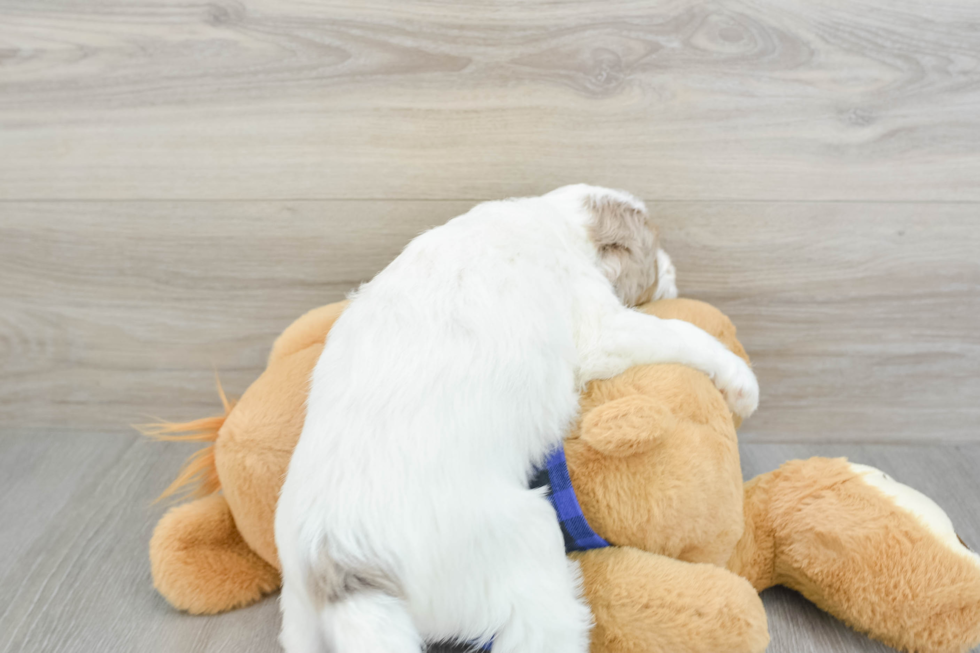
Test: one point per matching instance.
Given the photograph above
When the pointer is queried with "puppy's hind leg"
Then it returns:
(300, 622)
(367, 621)
(370, 621)
(539, 590)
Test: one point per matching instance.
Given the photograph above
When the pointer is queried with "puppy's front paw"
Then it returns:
(740, 388)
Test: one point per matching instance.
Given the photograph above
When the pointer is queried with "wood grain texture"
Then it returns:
(76, 518)
(113, 312)
(674, 99)
(861, 318)
(179, 181)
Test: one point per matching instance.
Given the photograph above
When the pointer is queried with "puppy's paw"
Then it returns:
(739, 387)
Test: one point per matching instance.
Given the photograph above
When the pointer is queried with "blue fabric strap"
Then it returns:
(578, 535)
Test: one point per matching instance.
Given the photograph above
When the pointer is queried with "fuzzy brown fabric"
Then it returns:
(654, 461)
(201, 563)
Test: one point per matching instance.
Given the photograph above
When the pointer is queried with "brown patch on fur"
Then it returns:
(198, 477)
(627, 243)
(965, 546)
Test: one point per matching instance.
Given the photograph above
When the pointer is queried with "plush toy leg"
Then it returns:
(874, 553)
(646, 603)
(200, 562)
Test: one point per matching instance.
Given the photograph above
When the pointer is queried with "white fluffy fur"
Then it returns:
(449, 376)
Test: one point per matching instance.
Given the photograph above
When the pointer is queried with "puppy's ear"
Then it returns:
(626, 426)
(627, 243)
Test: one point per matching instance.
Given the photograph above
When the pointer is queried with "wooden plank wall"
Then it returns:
(180, 180)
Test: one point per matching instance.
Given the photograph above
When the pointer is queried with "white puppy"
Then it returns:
(405, 515)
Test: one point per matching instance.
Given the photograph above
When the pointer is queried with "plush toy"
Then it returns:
(685, 545)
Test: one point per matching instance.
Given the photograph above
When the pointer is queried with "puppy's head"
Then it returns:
(626, 241)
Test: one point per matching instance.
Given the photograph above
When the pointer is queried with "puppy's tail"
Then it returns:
(361, 611)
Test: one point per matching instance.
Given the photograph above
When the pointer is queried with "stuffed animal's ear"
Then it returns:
(626, 426)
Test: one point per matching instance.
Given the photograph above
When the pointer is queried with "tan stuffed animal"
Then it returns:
(655, 468)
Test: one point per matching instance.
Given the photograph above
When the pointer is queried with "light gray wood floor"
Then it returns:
(77, 515)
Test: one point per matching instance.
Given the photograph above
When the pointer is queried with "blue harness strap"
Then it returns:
(578, 535)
